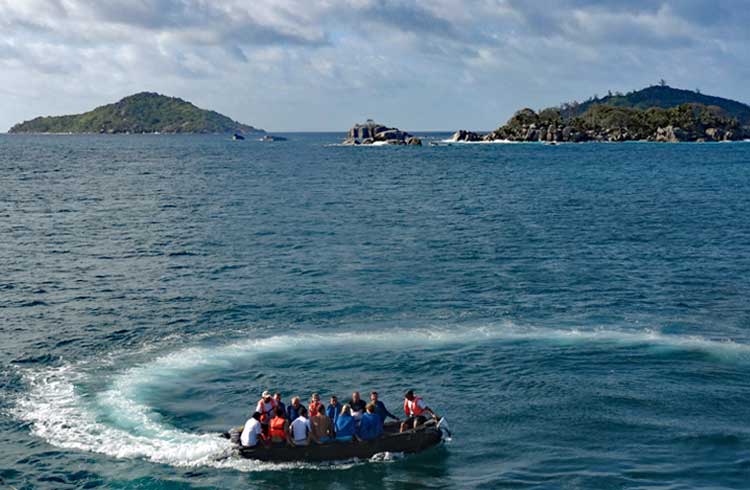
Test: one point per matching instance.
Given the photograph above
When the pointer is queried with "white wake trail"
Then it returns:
(113, 422)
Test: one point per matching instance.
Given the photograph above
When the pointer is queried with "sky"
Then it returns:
(304, 65)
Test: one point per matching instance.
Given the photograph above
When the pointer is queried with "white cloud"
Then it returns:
(444, 63)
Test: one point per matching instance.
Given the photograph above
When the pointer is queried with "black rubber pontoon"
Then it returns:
(411, 441)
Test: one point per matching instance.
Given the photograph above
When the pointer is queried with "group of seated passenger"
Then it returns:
(296, 425)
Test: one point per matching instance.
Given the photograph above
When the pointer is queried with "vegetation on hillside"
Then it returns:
(145, 112)
(662, 96)
(657, 113)
(686, 122)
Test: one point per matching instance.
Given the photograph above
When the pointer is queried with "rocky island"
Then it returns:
(145, 112)
(658, 113)
(372, 133)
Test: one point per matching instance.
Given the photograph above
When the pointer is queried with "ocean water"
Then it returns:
(578, 313)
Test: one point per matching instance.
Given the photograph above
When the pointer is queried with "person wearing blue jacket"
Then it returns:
(293, 409)
(371, 425)
(345, 425)
(380, 409)
(333, 410)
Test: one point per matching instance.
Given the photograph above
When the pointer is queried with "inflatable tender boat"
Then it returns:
(411, 441)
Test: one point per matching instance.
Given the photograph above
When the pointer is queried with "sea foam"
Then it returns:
(115, 423)
(482, 142)
(64, 418)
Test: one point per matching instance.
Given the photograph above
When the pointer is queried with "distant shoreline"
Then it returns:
(440, 142)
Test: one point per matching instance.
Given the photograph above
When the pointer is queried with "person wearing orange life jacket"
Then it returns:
(278, 428)
(266, 407)
(415, 410)
(315, 405)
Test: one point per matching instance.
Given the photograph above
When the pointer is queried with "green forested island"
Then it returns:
(145, 112)
(662, 96)
(657, 113)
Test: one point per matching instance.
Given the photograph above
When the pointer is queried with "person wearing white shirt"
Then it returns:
(251, 431)
(266, 407)
(300, 429)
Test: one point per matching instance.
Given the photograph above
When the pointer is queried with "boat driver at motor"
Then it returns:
(416, 411)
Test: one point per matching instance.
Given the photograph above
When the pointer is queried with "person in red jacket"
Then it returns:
(315, 405)
(266, 407)
(278, 429)
(416, 411)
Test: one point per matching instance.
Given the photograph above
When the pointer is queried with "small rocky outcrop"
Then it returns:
(463, 135)
(714, 134)
(366, 130)
(670, 134)
(371, 133)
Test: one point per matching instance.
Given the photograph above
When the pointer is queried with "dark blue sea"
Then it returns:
(580, 314)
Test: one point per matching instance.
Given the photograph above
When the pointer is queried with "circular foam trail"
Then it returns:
(63, 418)
(113, 422)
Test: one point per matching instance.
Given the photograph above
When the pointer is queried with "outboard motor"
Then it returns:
(234, 435)
(443, 426)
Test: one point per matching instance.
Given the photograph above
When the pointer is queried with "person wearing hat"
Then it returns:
(266, 407)
(415, 410)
